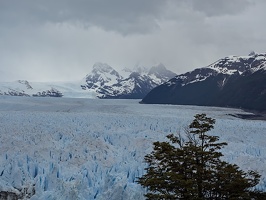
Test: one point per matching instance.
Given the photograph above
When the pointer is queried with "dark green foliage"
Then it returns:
(191, 168)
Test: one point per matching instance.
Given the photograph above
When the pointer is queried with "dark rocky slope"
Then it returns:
(236, 81)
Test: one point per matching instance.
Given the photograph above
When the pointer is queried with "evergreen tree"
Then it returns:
(192, 168)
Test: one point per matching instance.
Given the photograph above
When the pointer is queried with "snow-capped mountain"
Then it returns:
(44, 89)
(235, 81)
(102, 75)
(102, 82)
(24, 88)
(131, 84)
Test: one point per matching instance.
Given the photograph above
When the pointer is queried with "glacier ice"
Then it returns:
(94, 149)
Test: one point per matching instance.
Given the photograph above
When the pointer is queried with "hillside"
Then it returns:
(235, 81)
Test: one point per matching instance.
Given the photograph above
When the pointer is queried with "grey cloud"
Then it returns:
(118, 15)
(125, 17)
(62, 39)
(220, 7)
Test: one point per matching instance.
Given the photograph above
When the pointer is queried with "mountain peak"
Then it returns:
(157, 69)
(239, 64)
(234, 81)
(252, 53)
(101, 67)
(141, 69)
(103, 82)
(161, 72)
(129, 83)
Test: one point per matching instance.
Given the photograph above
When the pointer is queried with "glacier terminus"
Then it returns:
(74, 148)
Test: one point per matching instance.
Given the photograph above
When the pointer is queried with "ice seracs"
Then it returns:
(69, 148)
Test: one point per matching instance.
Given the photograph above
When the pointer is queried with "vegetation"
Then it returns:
(191, 168)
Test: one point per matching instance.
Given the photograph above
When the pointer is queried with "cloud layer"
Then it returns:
(61, 40)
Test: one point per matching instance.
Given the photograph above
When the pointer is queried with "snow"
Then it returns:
(222, 65)
(155, 79)
(94, 149)
(227, 66)
(260, 57)
(142, 70)
(259, 67)
(224, 70)
(103, 81)
(102, 67)
(69, 89)
(73, 90)
(102, 73)
(198, 78)
(125, 72)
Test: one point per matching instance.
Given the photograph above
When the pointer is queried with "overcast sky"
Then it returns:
(60, 40)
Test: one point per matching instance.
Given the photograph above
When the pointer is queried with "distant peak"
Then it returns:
(140, 69)
(160, 66)
(157, 69)
(102, 67)
(252, 53)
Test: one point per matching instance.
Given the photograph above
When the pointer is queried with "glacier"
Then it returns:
(69, 148)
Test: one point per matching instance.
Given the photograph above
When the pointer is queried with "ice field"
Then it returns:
(93, 149)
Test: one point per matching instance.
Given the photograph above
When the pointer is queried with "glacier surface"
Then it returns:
(93, 149)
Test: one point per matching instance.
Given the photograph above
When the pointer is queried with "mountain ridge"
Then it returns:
(234, 81)
(102, 82)
(135, 85)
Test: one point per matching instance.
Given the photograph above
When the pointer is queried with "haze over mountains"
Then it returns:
(234, 81)
(102, 82)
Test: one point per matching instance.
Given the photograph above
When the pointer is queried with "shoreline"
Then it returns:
(254, 115)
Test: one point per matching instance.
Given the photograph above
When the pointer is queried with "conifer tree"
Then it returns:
(191, 168)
